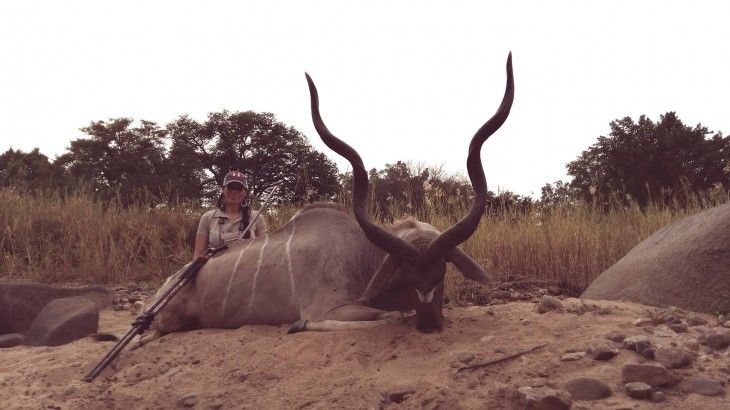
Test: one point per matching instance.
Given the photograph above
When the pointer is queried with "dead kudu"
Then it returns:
(324, 270)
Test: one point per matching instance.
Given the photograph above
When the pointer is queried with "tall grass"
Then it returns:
(70, 237)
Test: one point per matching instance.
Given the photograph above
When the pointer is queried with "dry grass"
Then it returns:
(71, 237)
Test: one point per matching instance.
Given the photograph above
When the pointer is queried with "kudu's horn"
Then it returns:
(378, 236)
(453, 236)
(463, 229)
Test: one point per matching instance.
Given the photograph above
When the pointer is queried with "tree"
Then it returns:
(557, 193)
(644, 160)
(120, 160)
(30, 170)
(266, 150)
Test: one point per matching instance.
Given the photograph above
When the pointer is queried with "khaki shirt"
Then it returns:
(223, 230)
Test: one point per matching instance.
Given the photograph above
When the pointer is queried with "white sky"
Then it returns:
(398, 80)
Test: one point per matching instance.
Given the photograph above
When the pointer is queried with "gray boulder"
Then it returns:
(20, 303)
(63, 321)
(685, 264)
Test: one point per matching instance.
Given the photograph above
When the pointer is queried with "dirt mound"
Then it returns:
(391, 367)
(685, 264)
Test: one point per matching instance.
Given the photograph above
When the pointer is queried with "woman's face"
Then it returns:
(234, 192)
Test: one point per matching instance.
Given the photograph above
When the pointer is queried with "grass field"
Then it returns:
(72, 238)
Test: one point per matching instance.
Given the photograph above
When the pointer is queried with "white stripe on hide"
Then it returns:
(288, 259)
(258, 268)
(230, 279)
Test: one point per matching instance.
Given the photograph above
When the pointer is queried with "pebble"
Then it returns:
(588, 388)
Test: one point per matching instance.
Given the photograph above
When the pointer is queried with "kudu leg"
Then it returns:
(348, 317)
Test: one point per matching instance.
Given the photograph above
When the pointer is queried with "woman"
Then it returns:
(226, 223)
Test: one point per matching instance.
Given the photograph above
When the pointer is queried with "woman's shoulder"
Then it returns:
(213, 213)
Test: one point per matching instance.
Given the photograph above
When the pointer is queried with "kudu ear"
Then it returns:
(468, 267)
(382, 277)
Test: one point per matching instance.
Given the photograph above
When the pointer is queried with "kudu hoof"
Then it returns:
(298, 326)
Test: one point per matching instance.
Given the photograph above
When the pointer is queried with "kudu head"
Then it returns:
(420, 261)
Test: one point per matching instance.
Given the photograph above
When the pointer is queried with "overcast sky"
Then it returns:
(398, 80)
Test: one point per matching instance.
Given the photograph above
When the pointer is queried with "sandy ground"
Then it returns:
(394, 367)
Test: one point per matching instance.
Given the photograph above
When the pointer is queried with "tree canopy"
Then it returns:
(648, 160)
(184, 160)
(269, 152)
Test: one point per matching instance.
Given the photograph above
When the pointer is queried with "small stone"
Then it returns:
(673, 320)
(588, 388)
(644, 321)
(692, 345)
(615, 336)
(653, 374)
(572, 357)
(665, 333)
(631, 341)
(706, 386)
(641, 346)
(718, 340)
(544, 398)
(548, 303)
(187, 401)
(638, 390)
(695, 320)
(602, 351)
(679, 327)
(649, 353)
(673, 358)
(658, 397)
(465, 357)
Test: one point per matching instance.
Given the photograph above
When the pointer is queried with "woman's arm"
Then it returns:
(201, 243)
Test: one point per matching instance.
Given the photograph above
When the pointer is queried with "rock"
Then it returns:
(588, 388)
(543, 399)
(548, 303)
(20, 303)
(465, 357)
(664, 333)
(684, 264)
(673, 358)
(11, 340)
(187, 401)
(696, 320)
(616, 336)
(653, 374)
(658, 397)
(631, 341)
(706, 386)
(63, 321)
(679, 327)
(641, 346)
(692, 345)
(572, 357)
(638, 390)
(602, 351)
(717, 340)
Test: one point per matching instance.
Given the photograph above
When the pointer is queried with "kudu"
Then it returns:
(323, 270)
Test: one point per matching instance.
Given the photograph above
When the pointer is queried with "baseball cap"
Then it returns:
(236, 176)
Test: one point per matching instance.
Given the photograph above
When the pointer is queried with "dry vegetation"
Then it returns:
(72, 238)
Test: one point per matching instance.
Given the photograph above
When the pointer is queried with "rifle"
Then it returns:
(144, 320)
(266, 202)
